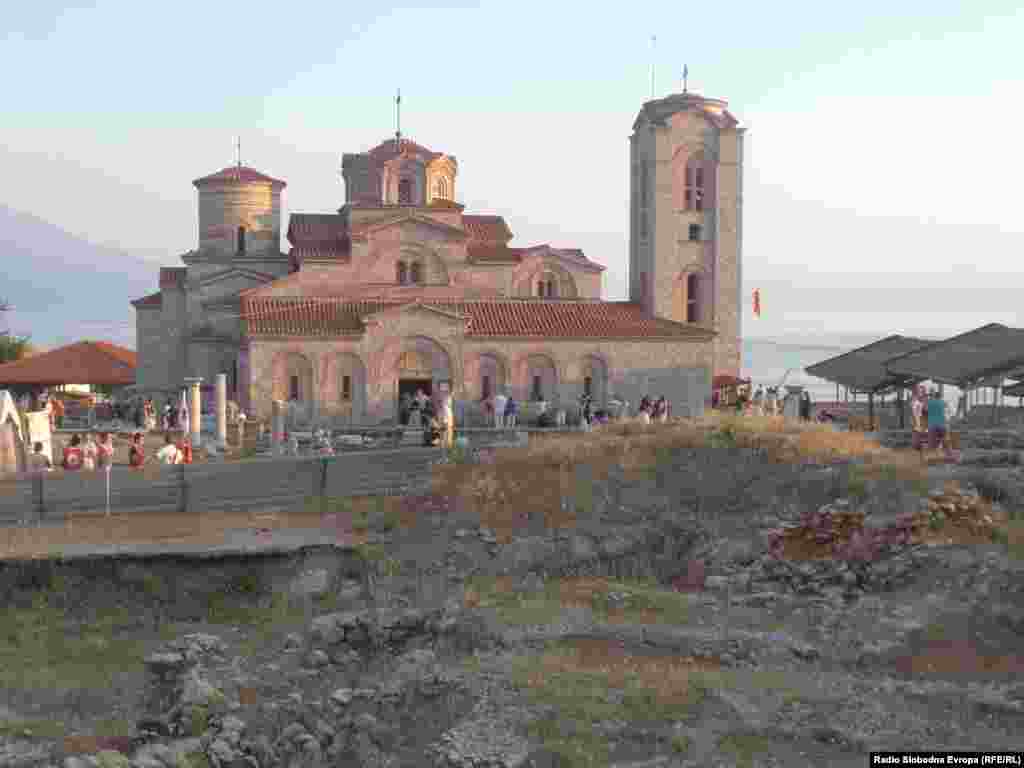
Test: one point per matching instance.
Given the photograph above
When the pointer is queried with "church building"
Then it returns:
(402, 289)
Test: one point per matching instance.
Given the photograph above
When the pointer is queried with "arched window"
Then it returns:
(402, 275)
(415, 273)
(692, 287)
(695, 183)
(695, 232)
(241, 239)
(405, 192)
(547, 286)
(441, 189)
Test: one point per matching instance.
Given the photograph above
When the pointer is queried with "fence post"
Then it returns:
(37, 483)
(182, 489)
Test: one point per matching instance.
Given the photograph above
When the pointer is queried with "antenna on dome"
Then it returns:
(686, 76)
(238, 152)
(654, 39)
(398, 120)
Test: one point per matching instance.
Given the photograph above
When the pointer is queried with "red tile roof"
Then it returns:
(152, 300)
(484, 252)
(86, 362)
(309, 228)
(386, 149)
(487, 228)
(529, 318)
(239, 174)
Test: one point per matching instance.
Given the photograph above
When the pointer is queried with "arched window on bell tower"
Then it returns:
(695, 178)
(692, 298)
(241, 239)
(441, 188)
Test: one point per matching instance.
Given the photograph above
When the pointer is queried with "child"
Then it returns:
(136, 454)
(105, 450)
(39, 461)
(89, 453)
(73, 454)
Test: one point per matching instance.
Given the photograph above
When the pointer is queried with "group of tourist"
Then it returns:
(653, 411)
(765, 401)
(96, 452)
(501, 409)
(420, 412)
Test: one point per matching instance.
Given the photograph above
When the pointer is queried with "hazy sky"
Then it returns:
(883, 167)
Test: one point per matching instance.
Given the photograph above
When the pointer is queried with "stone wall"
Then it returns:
(631, 369)
(223, 208)
(151, 370)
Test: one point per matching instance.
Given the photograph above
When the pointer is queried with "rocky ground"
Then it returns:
(774, 616)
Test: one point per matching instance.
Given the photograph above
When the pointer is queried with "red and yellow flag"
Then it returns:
(757, 302)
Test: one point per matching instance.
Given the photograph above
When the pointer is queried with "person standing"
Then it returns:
(136, 453)
(89, 453)
(39, 461)
(169, 453)
(500, 403)
(448, 419)
(105, 450)
(511, 412)
(936, 420)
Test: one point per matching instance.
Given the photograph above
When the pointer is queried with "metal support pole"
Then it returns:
(323, 486)
(37, 483)
(182, 489)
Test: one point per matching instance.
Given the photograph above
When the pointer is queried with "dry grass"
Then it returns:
(541, 476)
(638, 603)
(592, 681)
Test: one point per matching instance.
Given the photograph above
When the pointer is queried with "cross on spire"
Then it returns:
(398, 120)
(238, 152)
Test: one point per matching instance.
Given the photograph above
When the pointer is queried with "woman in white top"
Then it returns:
(89, 453)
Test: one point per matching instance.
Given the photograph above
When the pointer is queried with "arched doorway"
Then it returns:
(422, 364)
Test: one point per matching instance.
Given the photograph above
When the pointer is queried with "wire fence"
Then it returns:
(225, 486)
(366, 461)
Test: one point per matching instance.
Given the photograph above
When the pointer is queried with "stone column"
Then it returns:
(196, 416)
(277, 426)
(222, 411)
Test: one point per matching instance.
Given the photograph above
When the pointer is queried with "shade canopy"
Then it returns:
(993, 351)
(1014, 390)
(864, 369)
(86, 362)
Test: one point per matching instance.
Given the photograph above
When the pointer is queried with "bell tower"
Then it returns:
(685, 244)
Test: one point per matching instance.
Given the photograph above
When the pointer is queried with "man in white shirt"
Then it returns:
(500, 401)
(169, 453)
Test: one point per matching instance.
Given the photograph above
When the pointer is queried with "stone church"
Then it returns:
(401, 289)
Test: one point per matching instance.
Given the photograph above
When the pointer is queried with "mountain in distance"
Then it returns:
(64, 289)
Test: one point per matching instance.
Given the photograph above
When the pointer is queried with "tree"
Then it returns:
(12, 347)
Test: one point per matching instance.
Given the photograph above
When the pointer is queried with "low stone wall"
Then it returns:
(182, 584)
(970, 439)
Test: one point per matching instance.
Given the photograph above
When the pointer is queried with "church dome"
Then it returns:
(239, 174)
